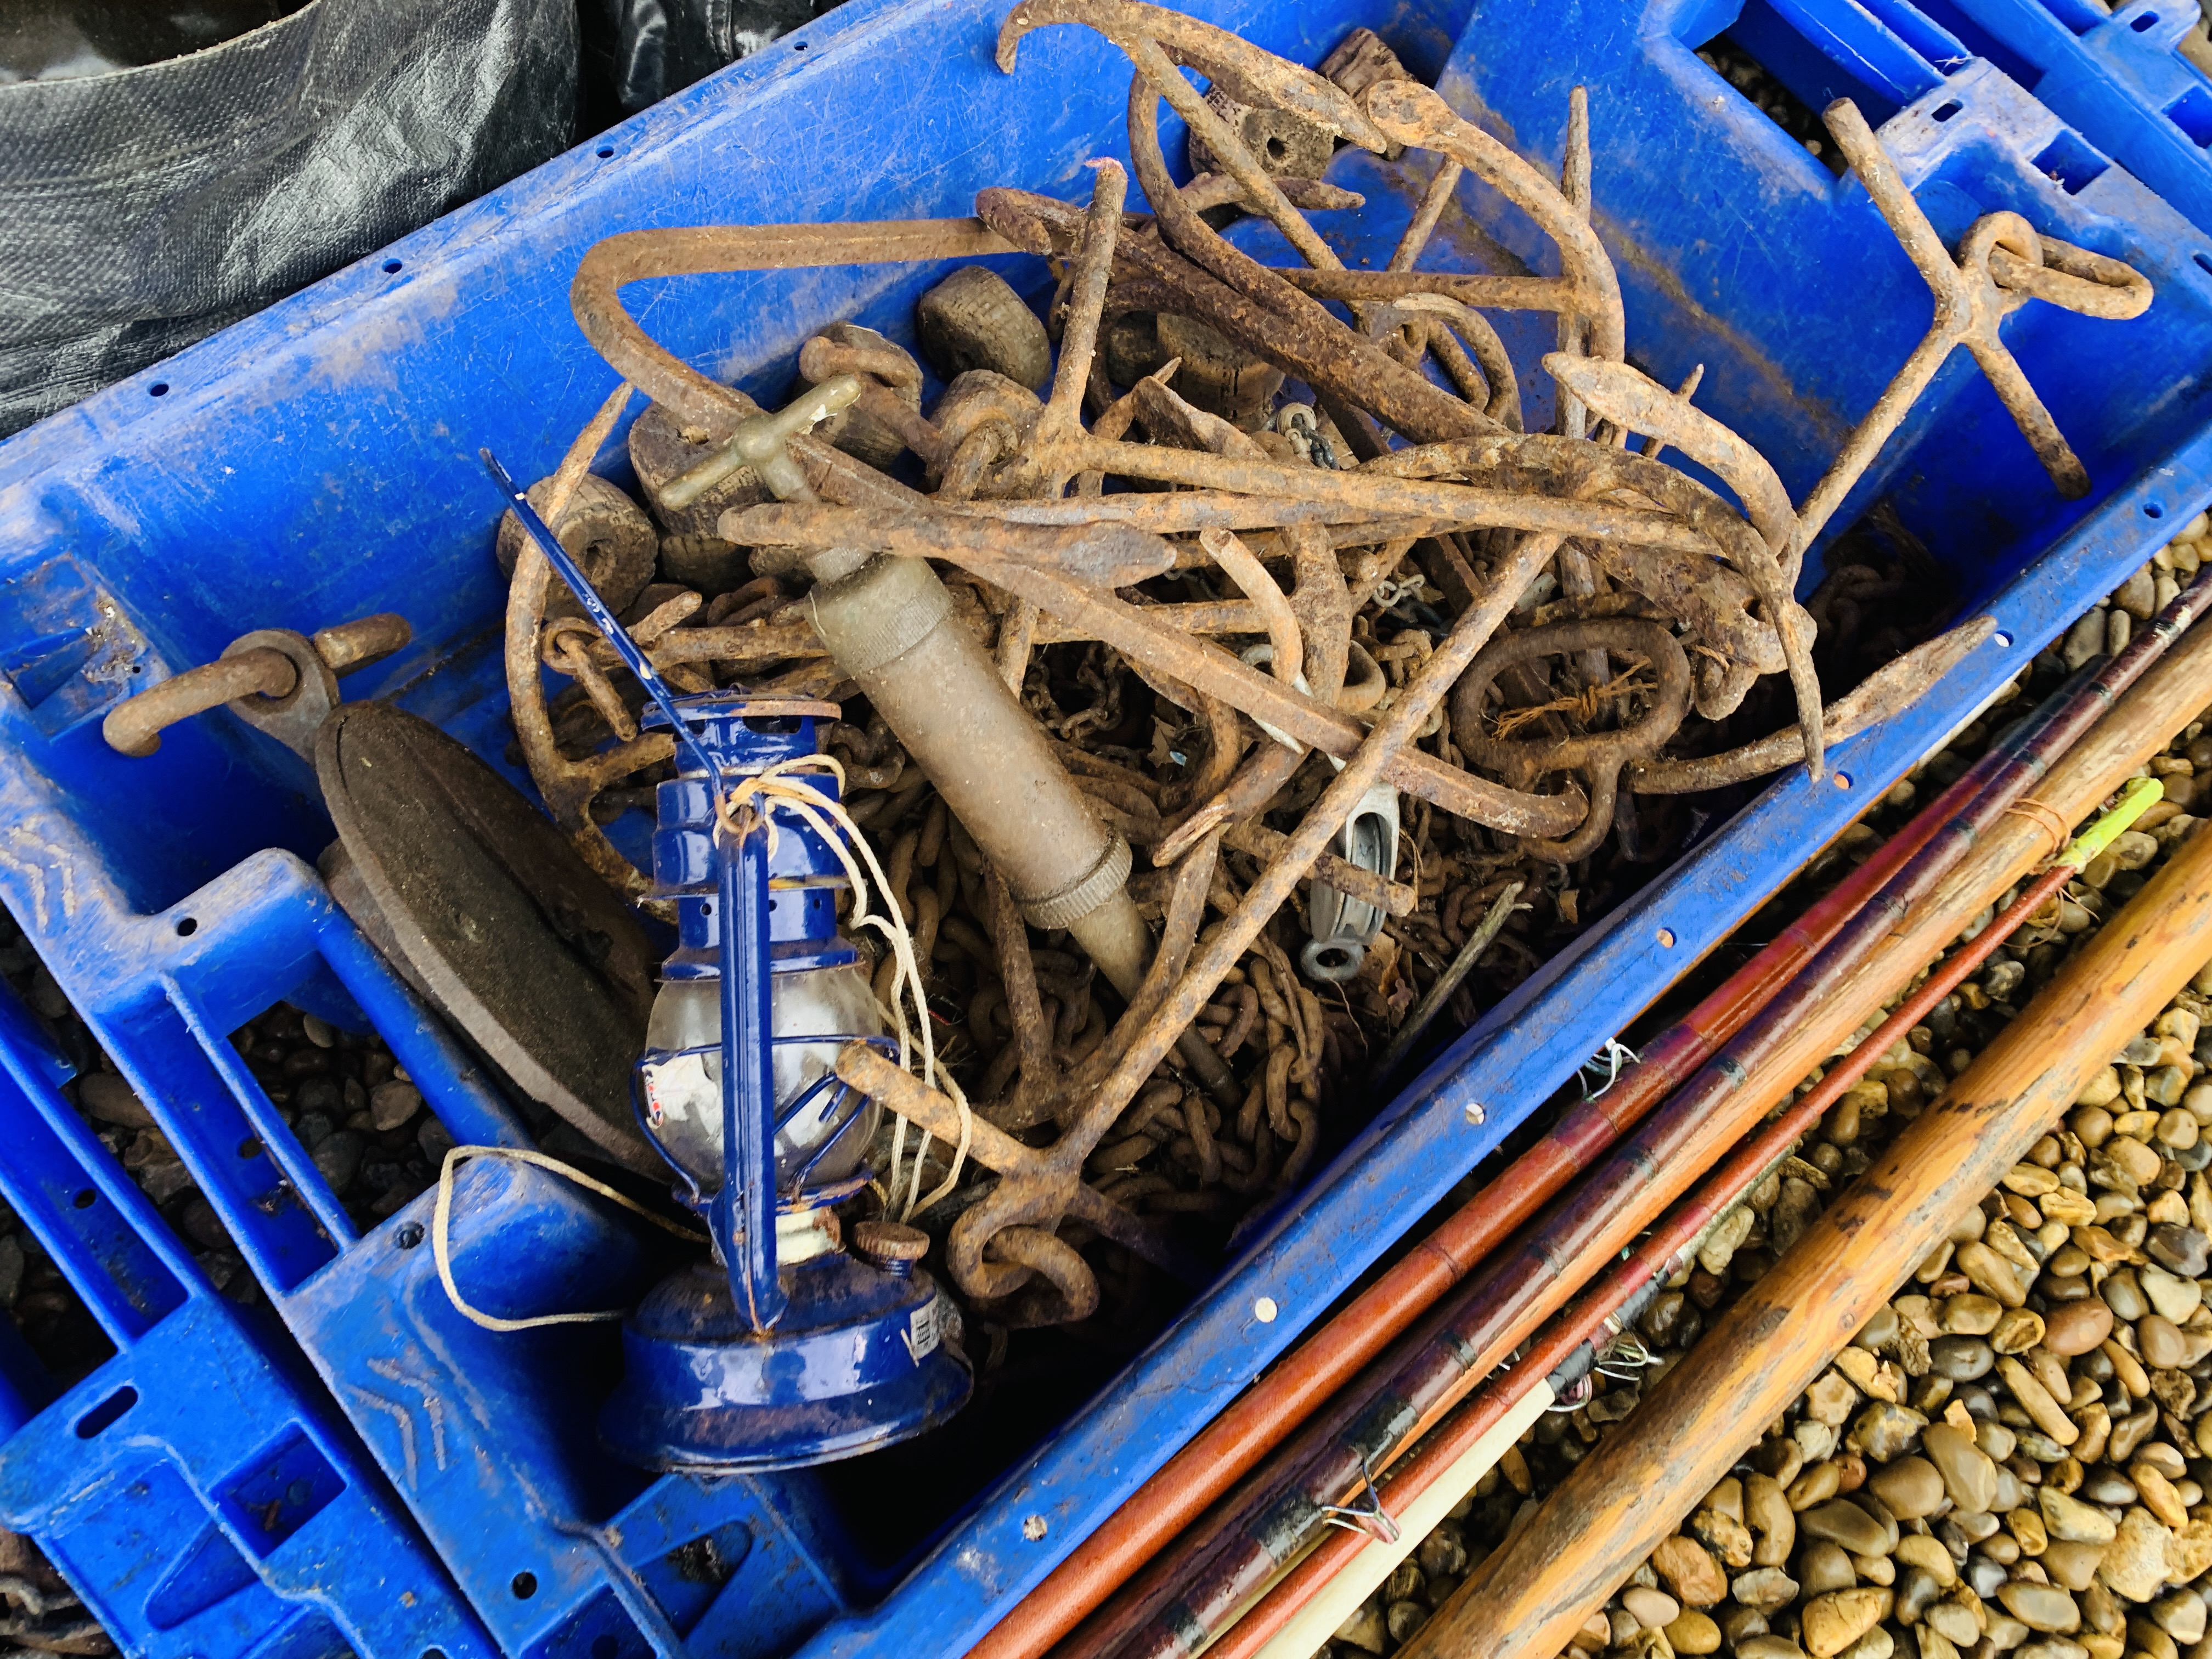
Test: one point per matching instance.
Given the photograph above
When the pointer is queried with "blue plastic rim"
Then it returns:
(305, 467)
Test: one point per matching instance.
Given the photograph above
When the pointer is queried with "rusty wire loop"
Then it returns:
(1672, 596)
(1599, 756)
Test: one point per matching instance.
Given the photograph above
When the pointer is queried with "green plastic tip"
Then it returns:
(2137, 798)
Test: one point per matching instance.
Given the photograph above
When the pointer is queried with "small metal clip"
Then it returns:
(1610, 1059)
(1368, 1515)
(1625, 1358)
(1577, 1396)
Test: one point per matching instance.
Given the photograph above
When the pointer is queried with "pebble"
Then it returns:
(2035, 1400)
(2125, 1295)
(1694, 1632)
(1767, 1512)
(1830, 1398)
(1965, 1358)
(1969, 1474)
(2180, 1615)
(1817, 1484)
(2067, 1207)
(338, 1156)
(2017, 1331)
(2041, 1607)
(107, 1098)
(2125, 1156)
(2072, 1566)
(1845, 1524)
(2189, 1552)
(2159, 1495)
(1823, 1566)
(2075, 1328)
(2164, 1347)
(1970, 1314)
(1650, 1609)
(2179, 1249)
(1992, 1274)
(2108, 1487)
(1402, 1619)
(1728, 1235)
(2134, 1564)
(1880, 1331)
(1927, 1552)
(2072, 1519)
(2138, 595)
(1884, 1430)
(1763, 1588)
(2174, 1298)
(1442, 1552)
(1692, 1574)
(1365, 1629)
(1725, 1534)
(1834, 1621)
(1912, 1487)
(392, 1104)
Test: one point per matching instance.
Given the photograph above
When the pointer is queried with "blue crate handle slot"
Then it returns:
(190, 1492)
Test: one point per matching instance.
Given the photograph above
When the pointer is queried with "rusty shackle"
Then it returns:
(275, 680)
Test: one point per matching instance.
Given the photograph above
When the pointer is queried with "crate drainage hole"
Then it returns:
(1948, 109)
(392, 267)
(2003, 639)
(187, 927)
(2153, 510)
(1736, 62)
(524, 1585)
(105, 1414)
(85, 1200)
(159, 389)
(606, 154)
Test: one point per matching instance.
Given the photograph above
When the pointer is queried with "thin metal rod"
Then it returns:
(1425, 1009)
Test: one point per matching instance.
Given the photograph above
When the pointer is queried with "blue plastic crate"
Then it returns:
(316, 463)
(197, 1496)
(2117, 78)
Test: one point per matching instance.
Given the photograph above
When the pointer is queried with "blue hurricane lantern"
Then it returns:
(787, 1348)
